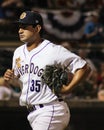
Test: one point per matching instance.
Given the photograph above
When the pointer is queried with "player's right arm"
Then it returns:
(8, 75)
(12, 79)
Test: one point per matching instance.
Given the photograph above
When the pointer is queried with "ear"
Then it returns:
(38, 28)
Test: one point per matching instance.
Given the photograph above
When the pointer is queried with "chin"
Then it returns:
(22, 40)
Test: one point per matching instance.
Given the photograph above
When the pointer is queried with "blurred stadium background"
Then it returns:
(64, 24)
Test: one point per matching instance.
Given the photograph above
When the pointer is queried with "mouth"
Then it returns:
(21, 36)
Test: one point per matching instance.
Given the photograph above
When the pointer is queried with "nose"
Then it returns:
(20, 30)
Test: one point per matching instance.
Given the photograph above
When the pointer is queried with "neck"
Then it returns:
(32, 45)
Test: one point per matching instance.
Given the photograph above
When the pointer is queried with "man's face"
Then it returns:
(27, 33)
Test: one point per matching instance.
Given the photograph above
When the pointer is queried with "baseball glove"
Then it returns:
(55, 76)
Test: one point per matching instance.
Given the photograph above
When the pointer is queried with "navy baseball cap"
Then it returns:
(30, 18)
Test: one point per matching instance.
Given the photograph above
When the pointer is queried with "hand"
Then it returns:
(8, 75)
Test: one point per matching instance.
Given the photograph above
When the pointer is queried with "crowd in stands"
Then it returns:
(67, 16)
(64, 19)
(94, 30)
(81, 20)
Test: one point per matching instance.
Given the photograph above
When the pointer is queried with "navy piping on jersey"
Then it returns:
(51, 118)
(29, 73)
(24, 51)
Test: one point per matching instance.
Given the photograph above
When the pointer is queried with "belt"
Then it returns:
(31, 108)
(34, 107)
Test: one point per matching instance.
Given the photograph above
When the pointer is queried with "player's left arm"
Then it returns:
(79, 76)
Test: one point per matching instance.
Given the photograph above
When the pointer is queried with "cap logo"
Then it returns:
(23, 15)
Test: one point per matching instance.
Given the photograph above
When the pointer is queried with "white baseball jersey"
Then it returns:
(30, 66)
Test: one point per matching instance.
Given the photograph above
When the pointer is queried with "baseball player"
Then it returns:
(46, 110)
